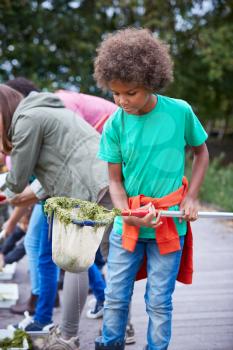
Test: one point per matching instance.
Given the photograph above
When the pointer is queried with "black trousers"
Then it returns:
(13, 246)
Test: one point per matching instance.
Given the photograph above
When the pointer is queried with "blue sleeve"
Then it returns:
(195, 135)
(109, 149)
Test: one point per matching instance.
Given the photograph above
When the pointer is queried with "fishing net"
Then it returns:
(77, 228)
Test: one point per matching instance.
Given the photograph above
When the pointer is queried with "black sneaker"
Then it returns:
(38, 327)
(26, 321)
(130, 334)
(28, 324)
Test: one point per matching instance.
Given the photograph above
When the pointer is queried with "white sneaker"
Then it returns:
(97, 311)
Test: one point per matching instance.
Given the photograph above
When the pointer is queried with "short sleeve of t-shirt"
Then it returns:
(195, 134)
(109, 149)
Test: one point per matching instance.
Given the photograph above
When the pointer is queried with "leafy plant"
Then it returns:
(217, 187)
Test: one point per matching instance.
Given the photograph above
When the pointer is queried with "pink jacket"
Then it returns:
(91, 108)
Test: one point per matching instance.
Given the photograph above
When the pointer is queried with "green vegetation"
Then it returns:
(64, 209)
(217, 188)
(17, 341)
(54, 44)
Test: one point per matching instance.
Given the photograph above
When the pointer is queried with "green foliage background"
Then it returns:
(217, 187)
(54, 42)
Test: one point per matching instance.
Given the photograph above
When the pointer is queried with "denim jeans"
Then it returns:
(96, 282)
(32, 244)
(122, 267)
(43, 271)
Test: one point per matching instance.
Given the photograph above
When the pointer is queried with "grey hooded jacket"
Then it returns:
(52, 143)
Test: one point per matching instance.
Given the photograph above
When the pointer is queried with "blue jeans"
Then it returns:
(32, 244)
(122, 267)
(42, 268)
(96, 282)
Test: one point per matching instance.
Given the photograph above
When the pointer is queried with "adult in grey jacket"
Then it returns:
(47, 140)
(50, 142)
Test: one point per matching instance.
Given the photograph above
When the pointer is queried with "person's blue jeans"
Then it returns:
(48, 272)
(122, 267)
(43, 271)
(32, 245)
(96, 282)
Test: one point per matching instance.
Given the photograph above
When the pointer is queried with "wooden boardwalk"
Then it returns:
(203, 312)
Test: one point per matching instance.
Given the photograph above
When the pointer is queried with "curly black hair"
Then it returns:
(133, 55)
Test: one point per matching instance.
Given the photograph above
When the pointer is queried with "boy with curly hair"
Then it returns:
(144, 144)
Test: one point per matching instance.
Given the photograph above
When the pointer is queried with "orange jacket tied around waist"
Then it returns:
(167, 237)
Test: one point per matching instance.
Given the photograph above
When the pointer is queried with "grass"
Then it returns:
(217, 188)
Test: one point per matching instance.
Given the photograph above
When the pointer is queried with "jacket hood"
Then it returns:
(37, 100)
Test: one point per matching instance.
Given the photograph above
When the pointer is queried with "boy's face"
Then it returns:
(132, 98)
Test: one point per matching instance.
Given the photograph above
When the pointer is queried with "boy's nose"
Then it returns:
(123, 101)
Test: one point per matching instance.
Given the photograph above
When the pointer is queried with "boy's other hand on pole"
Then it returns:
(190, 207)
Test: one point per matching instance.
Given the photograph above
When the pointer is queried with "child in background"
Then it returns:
(144, 144)
(95, 110)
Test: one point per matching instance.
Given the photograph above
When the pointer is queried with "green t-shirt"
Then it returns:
(151, 148)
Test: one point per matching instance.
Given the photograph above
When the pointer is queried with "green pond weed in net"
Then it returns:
(68, 209)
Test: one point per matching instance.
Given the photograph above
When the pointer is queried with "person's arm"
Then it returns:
(24, 199)
(31, 195)
(120, 199)
(199, 168)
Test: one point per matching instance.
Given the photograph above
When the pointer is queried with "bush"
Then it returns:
(217, 188)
